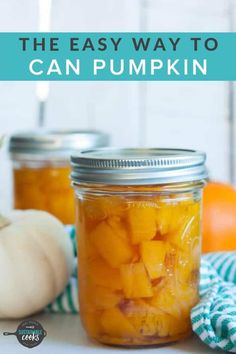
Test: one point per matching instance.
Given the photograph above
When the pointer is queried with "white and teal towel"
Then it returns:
(213, 319)
(67, 302)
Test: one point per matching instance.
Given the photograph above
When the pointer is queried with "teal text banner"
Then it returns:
(118, 56)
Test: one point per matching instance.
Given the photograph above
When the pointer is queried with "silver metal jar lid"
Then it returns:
(138, 166)
(58, 144)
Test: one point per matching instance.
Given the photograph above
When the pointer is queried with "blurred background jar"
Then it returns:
(41, 168)
(139, 242)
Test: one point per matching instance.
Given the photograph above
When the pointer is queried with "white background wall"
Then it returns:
(186, 114)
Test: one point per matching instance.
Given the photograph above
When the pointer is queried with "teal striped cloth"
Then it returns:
(213, 318)
(67, 302)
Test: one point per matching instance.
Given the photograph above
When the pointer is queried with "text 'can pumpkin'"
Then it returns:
(41, 169)
(139, 242)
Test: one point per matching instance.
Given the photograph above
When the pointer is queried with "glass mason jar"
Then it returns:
(139, 242)
(41, 169)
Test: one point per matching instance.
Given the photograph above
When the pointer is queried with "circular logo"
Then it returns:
(29, 333)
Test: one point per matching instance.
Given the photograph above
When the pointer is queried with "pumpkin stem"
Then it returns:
(4, 222)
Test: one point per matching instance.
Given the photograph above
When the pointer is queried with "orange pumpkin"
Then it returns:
(219, 217)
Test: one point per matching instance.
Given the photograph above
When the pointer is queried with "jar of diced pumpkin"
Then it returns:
(139, 242)
(41, 169)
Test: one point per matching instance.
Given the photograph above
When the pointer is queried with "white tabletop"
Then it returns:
(65, 335)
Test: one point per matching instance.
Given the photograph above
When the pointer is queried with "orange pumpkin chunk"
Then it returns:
(142, 222)
(170, 216)
(104, 298)
(189, 231)
(142, 316)
(101, 274)
(101, 208)
(168, 326)
(166, 301)
(167, 218)
(114, 323)
(136, 282)
(112, 243)
(153, 256)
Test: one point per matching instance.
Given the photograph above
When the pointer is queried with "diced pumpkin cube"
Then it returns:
(142, 316)
(112, 243)
(166, 301)
(183, 267)
(136, 282)
(94, 297)
(175, 298)
(145, 324)
(114, 323)
(101, 208)
(153, 256)
(168, 217)
(178, 263)
(170, 326)
(163, 325)
(187, 235)
(142, 222)
(102, 274)
(179, 220)
(104, 298)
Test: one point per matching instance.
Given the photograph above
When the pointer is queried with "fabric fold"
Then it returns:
(214, 317)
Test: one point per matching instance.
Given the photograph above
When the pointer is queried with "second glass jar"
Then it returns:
(41, 169)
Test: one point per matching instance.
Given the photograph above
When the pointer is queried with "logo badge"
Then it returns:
(29, 333)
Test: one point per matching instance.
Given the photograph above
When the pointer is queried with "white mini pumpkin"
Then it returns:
(36, 260)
